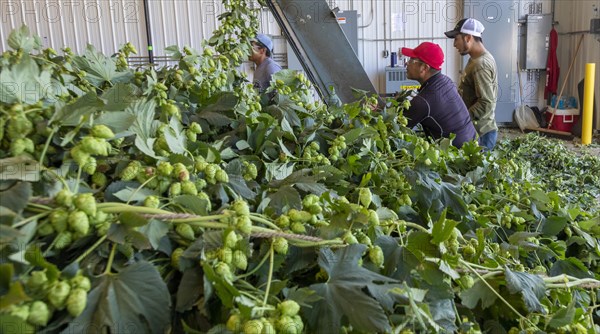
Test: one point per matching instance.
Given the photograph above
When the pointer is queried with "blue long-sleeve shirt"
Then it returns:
(441, 111)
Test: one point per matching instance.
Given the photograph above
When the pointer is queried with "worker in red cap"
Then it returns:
(478, 84)
(437, 106)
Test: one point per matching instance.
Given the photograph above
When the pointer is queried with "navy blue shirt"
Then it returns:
(441, 111)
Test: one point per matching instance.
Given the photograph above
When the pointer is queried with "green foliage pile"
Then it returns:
(172, 200)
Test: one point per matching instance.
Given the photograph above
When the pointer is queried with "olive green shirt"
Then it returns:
(478, 88)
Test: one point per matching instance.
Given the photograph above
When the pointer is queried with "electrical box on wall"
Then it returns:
(537, 41)
(595, 26)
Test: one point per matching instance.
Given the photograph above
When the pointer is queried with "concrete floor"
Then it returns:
(572, 143)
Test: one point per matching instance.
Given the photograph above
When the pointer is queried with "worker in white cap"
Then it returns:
(262, 51)
(478, 84)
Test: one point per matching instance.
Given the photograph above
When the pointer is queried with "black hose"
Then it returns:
(148, 32)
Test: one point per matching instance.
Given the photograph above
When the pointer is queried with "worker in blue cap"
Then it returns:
(262, 51)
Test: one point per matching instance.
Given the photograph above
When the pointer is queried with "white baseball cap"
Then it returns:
(468, 26)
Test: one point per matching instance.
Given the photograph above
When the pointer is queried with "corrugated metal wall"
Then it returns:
(383, 25)
(391, 25)
(571, 19)
(106, 24)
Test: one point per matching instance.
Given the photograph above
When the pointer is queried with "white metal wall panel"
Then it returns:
(163, 26)
(182, 22)
(391, 25)
(572, 17)
(107, 24)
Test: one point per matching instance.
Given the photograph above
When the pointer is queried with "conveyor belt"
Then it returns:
(322, 48)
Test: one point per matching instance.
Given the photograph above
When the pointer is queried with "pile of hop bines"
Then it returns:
(307, 179)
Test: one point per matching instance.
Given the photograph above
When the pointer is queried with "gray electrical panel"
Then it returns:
(348, 21)
(537, 41)
(595, 26)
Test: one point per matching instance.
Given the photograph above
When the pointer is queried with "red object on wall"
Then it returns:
(552, 68)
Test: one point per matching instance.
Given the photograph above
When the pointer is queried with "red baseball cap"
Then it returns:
(430, 53)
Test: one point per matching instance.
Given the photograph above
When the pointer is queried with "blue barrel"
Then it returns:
(394, 59)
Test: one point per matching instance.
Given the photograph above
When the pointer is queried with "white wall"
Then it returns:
(106, 24)
(572, 17)
(391, 25)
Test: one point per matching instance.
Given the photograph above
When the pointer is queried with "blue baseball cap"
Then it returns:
(265, 40)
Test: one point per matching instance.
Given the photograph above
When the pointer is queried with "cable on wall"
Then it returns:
(148, 32)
